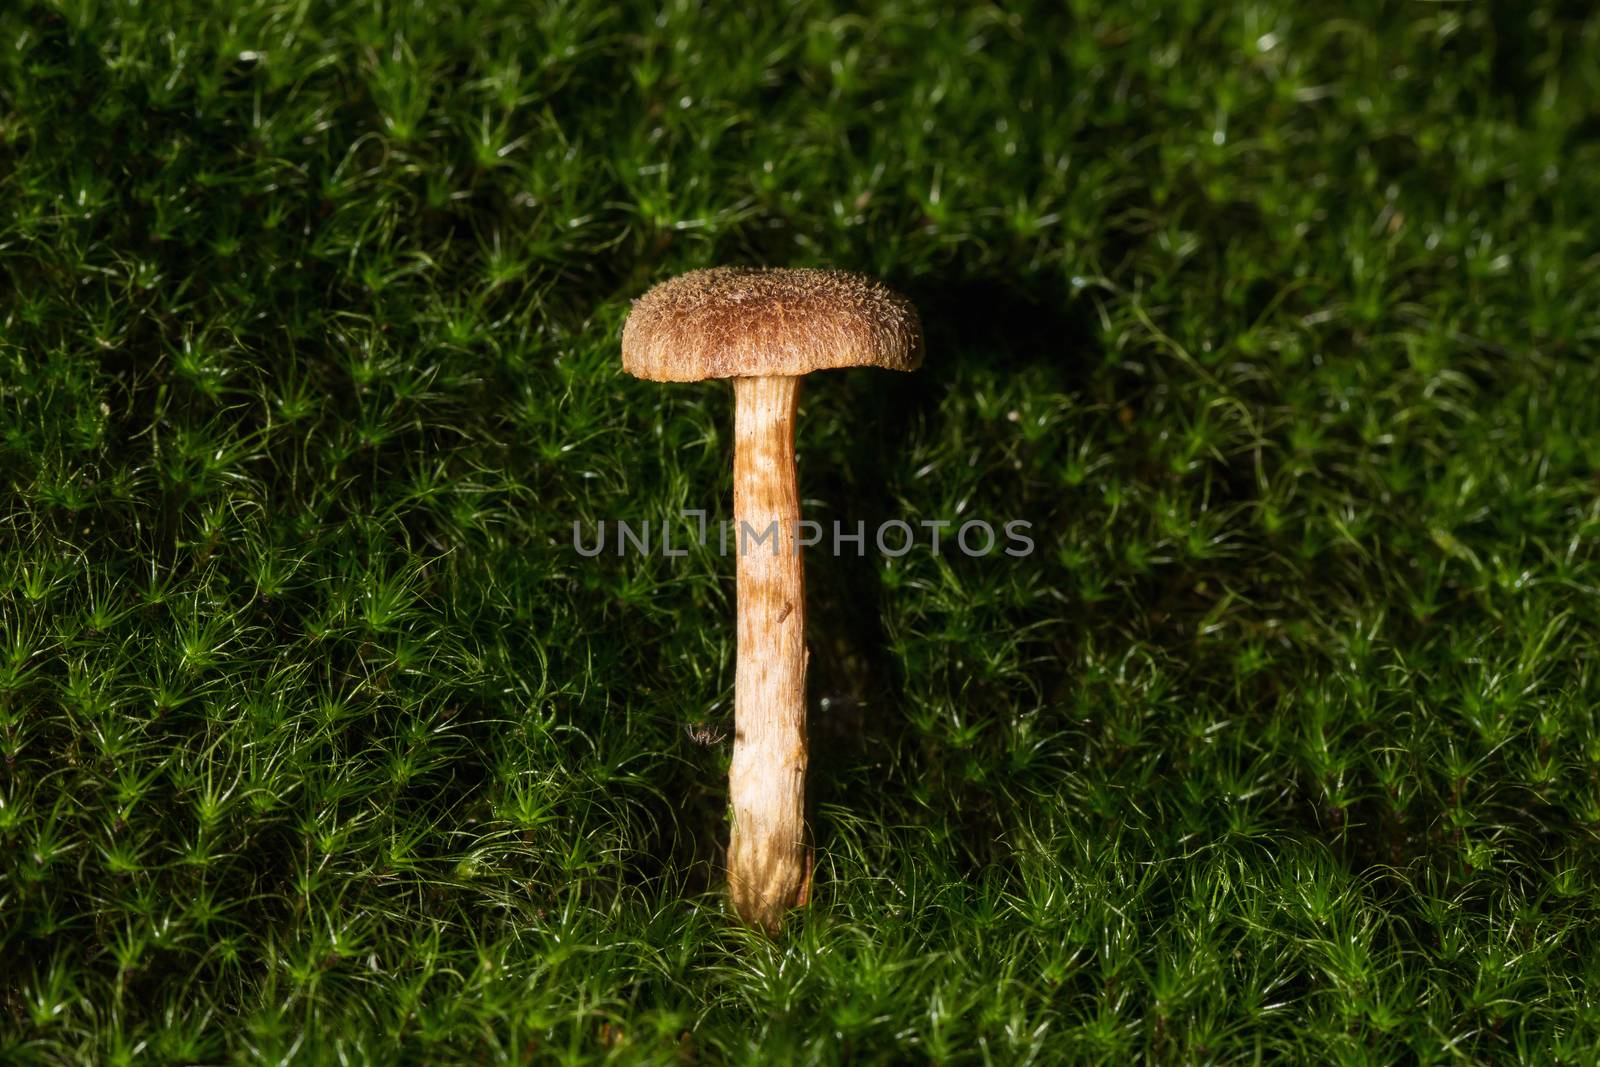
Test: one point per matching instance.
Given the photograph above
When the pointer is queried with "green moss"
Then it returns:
(318, 740)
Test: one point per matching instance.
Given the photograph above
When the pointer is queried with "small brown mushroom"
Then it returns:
(764, 328)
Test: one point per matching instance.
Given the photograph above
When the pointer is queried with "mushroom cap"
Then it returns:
(746, 322)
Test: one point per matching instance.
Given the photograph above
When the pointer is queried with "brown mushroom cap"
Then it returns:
(739, 322)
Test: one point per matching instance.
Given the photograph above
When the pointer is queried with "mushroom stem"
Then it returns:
(767, 781)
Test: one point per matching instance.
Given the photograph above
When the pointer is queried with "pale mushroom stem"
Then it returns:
(767, 782)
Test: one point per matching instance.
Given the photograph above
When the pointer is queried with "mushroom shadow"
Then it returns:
(855, 685)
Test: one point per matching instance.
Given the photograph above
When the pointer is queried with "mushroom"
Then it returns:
(765, 328)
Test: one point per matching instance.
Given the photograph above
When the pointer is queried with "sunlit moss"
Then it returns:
(318, 740)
